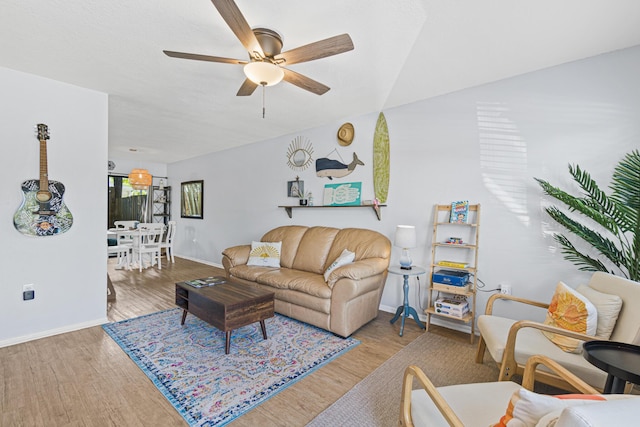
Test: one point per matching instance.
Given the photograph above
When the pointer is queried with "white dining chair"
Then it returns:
(123, 254)
(147, 241)
(167, 243)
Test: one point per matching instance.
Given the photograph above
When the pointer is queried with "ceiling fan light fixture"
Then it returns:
(263, 73)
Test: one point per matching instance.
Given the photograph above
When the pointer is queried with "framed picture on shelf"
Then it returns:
(191, 193)
(345, 194)
(295, 188)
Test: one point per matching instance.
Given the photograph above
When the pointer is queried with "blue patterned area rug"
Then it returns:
(209, 388)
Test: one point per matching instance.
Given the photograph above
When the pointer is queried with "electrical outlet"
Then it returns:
(28, 292)
(505, 289)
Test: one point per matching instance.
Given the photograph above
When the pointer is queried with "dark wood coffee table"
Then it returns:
(226, 306)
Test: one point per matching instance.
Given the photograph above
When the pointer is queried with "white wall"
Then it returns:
(68, 271)
(484, 144)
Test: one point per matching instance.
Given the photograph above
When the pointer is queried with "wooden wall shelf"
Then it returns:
(289, 209)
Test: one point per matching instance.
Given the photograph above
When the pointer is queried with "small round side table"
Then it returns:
(405, 310)
(621, 362)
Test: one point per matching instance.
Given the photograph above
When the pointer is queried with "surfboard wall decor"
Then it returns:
(381, 160)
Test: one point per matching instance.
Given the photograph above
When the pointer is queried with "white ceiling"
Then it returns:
(405, 50)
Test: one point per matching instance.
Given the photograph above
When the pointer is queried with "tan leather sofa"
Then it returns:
(351, 296)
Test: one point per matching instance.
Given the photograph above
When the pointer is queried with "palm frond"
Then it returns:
(625, 183)
(585, 262)
(618, 213)
(598, 200)
(578, 205)
(600, 243)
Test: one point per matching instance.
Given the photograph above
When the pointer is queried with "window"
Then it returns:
(125, 203)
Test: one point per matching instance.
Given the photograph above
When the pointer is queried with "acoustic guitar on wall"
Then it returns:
(42, 212)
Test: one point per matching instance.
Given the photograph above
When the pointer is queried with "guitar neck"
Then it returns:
(44, 175)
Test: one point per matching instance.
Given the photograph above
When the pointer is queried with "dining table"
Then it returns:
(130, 235)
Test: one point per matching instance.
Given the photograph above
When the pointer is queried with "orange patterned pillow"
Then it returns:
(571, 311)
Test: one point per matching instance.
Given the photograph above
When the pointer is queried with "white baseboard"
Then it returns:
(201, 261)
(52, 332)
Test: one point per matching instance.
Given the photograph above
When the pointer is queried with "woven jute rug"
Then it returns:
(375, 401)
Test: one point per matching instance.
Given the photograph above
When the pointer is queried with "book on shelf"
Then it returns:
(459, 212)
(208, 281)
(453, 264)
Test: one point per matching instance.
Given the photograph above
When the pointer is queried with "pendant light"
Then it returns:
(140, 179)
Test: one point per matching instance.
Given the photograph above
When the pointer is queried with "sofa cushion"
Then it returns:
(248, 272)
(618, 410)
(531, 341)
(265, 254)
(571, 311)
(290, 236)
(314, 248)
(302, 281)
(608, 307)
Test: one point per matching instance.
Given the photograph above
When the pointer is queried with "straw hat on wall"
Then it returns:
(345, 134)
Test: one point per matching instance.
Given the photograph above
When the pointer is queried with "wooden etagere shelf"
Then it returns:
(376, 208)
(464, 253)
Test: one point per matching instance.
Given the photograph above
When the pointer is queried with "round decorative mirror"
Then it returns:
(299, 153)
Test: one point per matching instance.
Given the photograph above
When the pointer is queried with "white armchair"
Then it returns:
(485, 404)
(511, 343)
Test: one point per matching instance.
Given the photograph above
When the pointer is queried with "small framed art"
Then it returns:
(295, 188)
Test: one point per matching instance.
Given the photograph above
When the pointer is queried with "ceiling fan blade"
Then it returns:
(247, 88)
(198, 57)
(240, 27)
(320, 49)
(304, 82)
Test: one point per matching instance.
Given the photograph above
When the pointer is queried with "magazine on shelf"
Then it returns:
(459, 212)
(208, 281)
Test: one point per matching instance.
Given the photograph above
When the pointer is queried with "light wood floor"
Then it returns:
(83, 378)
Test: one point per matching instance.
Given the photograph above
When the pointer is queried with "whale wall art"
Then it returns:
(330, 168)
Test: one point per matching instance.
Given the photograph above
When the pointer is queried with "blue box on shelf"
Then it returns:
(451, 277)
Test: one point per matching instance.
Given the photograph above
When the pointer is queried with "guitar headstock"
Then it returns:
(43, 132)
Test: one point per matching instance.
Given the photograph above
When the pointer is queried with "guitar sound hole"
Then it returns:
(43, 196)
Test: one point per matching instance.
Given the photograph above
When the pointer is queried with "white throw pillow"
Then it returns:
(345, 257)
(608, 307)
(265, 254)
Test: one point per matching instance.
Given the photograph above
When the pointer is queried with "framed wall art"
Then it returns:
(191, 193)
(295, 188)
(345, 194)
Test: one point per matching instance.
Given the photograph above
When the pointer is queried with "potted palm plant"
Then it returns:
(618, 215)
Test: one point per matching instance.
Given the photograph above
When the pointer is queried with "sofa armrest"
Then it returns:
(358, 270)
(235, 255)
(413, 372)
(489, 308)
(528, 380)
(521, 324)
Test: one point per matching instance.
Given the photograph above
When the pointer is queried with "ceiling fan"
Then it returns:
(266, 62)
